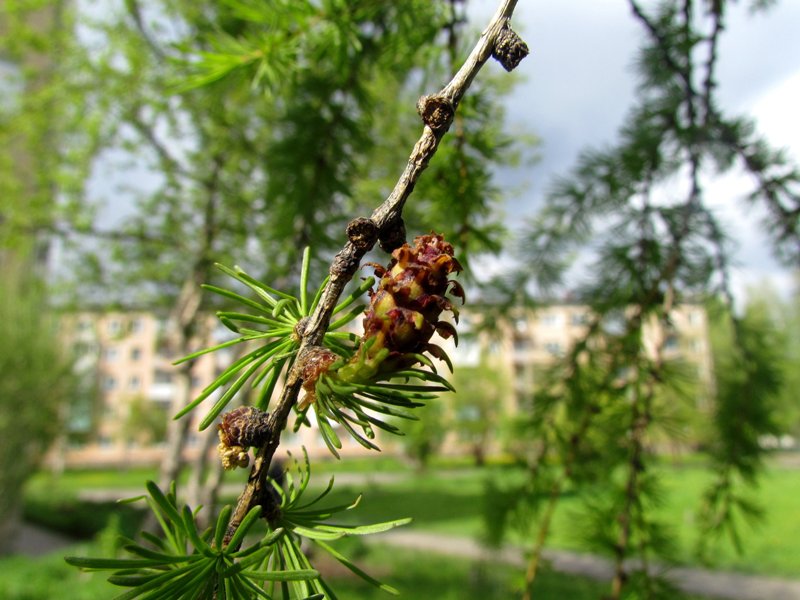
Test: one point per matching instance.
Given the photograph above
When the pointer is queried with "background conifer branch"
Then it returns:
(385, 224)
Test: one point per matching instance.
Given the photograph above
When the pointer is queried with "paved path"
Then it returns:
(714, 584)
(36, 541)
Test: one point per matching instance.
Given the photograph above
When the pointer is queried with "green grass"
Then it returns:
(49, 577)
(71, 482)
(451, 502)
(417, 576)
(429, 576)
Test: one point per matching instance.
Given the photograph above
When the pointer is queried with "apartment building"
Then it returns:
(125, 366)
(530, 341)
(123, 357)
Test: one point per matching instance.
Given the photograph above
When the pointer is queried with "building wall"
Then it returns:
(123, 354)
(122, 350)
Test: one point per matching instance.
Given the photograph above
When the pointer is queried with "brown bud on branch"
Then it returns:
(509, 49)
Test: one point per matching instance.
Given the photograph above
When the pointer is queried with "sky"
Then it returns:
(579, 84)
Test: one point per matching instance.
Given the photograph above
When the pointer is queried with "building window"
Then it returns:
(554, 348)
(520, 325)
(84, 325)
(163, 377)
(550, 320)
(671, 343)
(110, 354)
(114, 326)
(523, 345)
(109, 383)
(134, 383)
(136, 354)
(579, 318)
(694, 317)
(136, 325)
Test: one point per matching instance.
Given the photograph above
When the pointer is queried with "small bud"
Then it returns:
(245, 426)
(232, 456)
(393, 236)
(362, 233)
(436, 111)
(316, 361)
(509, 49)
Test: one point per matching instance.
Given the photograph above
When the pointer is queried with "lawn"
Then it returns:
(451, 500)
(452, 503)
(416, 576)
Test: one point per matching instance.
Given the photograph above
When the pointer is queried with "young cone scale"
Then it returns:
(403, 313)
(404, 310)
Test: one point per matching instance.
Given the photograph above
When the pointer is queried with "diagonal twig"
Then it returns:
(385, 224)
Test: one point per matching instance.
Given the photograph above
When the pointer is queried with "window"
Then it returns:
(554, 348)
(110, 354)
(163, 377)
(550, 319)
(694, 317)
(136, 325)
(134, 383)
(579, 318)
(671, 343)
(136, 354)
(109, 383)
(114, 326)
(523, 345)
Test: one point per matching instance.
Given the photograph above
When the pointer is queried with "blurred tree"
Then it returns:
(263, 146)
(36, 382)
(145, 422)
(348, 381)
(423, 437)
(476, 407)
(48, 133)
(231, 170)
(639, 210)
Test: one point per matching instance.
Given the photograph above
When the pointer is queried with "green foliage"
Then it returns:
(186, 562)
(48, 133)
(274, 324)
(476, 406)
(748, 357)
(638, 212)
(424, 437)
(36, 382)
(259, 171)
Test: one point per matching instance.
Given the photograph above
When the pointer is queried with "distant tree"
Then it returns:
(49, 133)
(239, 172)
(424, 437)
(749, 369)
(351, 385)
(145, 422)
(36, 384)
(639, 209)
(476, 407)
